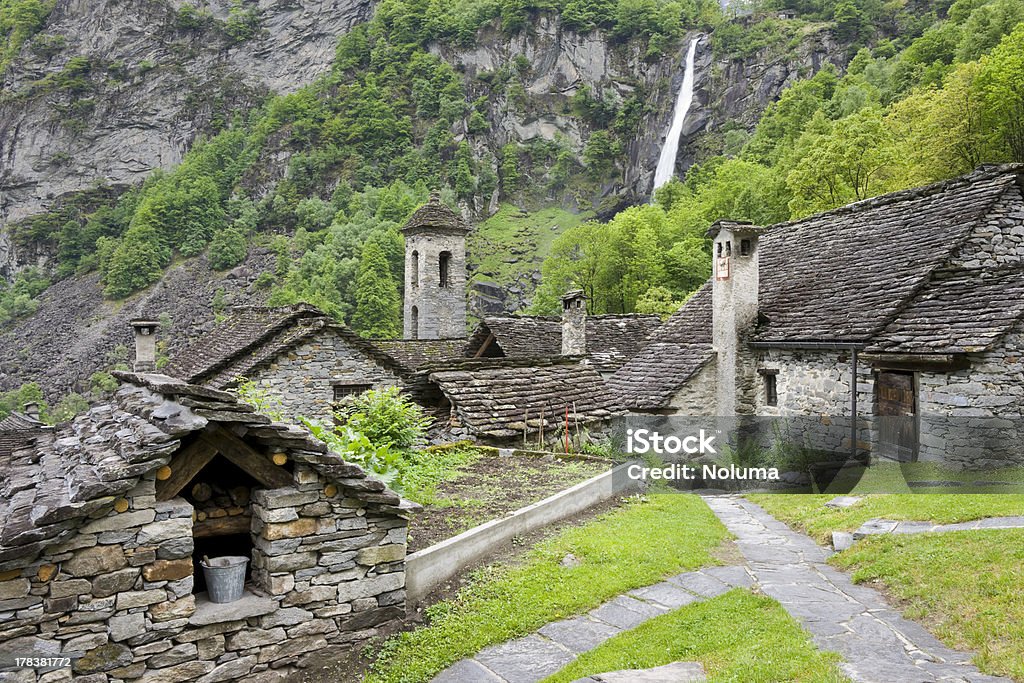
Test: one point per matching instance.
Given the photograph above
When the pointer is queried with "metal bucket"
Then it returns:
(225, 577)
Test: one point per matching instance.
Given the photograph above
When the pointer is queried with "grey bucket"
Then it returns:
(225, 577)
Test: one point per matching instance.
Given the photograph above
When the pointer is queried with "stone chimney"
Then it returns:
(734, 312)
(574, 323)
(145, 344)
(31, 410)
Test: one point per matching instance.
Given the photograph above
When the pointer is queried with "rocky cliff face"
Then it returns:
(149, 86)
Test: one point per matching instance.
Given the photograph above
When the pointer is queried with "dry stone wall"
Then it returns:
(304, 379)
(328, 572)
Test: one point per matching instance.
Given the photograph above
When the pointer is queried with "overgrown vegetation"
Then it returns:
(616, 553)
(19, 21)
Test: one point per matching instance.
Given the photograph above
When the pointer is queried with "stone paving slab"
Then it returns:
(579, 634)
(525, 660)
(876, 642)
(677, 672)
(874, 527)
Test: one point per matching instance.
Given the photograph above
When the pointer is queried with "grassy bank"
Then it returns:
(737, 637)
(965, 586)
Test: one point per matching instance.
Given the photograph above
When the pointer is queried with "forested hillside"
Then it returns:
(541, 121)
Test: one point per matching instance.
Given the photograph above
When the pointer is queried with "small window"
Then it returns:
(744, 247)
(719, 247)
(771, 392)
(728, 248)
(414, 266)
(414, 323)
(443, 266)
(344, 392)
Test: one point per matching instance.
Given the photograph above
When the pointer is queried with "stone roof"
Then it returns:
(435, 216)
(53, 481)
(674, 354)
(412, 354)
(494, 396)
(877, 272)
(937, 320)
(611, 339)
(15, 429)
(253, 336)
(844, 274)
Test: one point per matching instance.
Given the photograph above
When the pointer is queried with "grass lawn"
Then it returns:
(738, 636)
(965, 586)
(809, 514)
(638, 544)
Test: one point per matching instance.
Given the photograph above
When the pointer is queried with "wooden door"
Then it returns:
(896, 402)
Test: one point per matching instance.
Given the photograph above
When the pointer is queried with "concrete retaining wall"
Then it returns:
(430, 567)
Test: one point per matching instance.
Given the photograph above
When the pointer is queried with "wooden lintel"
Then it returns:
(222, 526)
(184, 466)
(483, 347)
(244, 456)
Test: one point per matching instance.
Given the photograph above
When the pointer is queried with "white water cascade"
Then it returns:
(667, 161)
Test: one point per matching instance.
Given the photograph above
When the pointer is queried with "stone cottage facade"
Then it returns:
(297, 354)
(103, 522)
(906, 310)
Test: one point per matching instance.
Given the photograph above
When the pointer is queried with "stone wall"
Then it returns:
(697, 397)
(328, 572)
(440, 312)
(1000, 239)
(982, 408)
(304, 379)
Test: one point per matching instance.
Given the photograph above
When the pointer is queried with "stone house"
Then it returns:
(103, 522)
(906, 311)
(605, 341)
(504, 401)
(298, 354)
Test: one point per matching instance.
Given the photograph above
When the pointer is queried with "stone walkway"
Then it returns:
(874, 527)
(876, 642)
(537, 656)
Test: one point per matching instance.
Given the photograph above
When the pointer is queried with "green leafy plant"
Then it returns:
(386, 417)
(356, 448)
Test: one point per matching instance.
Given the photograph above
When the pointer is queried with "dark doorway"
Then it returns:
(896, 408)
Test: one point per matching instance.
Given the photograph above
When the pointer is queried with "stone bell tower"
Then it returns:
(435, 273)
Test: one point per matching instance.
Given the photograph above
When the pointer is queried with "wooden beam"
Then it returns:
(248, 459)
(222, 526)
(483, 347)
(184, 466)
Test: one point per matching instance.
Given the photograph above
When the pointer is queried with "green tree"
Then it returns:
(378, 306)
(136, 262)
(227, 249)
(1001, 82)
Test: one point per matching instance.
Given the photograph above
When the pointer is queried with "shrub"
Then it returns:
(227, 249)
(386, 418)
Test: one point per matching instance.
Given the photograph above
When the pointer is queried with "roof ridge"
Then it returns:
(983, 172)
(964, 238)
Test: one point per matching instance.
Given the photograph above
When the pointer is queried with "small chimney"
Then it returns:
(32, 410)
(734, 310)
(574, 323)
(145, 344)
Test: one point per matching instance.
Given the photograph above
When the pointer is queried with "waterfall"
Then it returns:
(667, 161)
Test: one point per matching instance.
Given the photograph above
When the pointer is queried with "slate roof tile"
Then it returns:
(611, 339)
(499, 397)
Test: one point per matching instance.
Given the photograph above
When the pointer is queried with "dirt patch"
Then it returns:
(491, 487)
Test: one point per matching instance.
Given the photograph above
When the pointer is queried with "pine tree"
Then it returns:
(378, 306)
